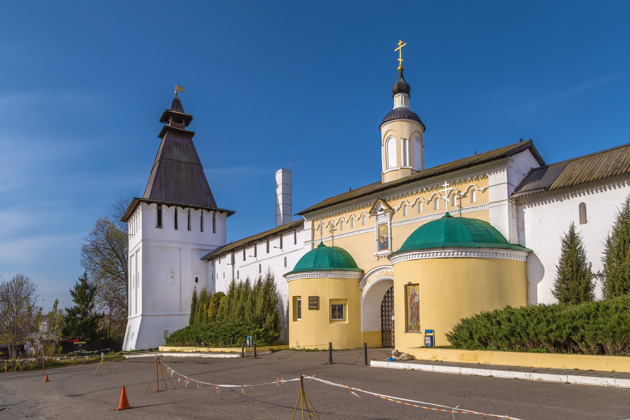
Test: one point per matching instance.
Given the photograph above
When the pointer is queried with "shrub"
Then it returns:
(589, 328)
(219, 334)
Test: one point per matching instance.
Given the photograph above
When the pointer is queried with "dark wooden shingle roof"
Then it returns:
(577, 171)
(250, 240)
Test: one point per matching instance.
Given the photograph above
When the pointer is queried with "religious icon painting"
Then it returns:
(383, 237)
(412, 305)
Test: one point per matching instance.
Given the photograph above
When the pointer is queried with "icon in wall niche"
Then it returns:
(413, 307)
(383, 237)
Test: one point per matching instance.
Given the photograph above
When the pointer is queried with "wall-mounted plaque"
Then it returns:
(313, 302)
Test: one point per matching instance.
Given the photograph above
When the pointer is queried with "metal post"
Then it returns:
(365, 359)
(255, 350)
(330, 353)
(243, 350)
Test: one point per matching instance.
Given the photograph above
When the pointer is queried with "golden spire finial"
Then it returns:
(399, 49)
(178, 88)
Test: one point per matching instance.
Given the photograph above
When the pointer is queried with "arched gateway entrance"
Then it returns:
(387, 318)
(377, 307)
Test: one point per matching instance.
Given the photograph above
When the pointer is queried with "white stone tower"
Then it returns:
(173, 225)
(402, 148)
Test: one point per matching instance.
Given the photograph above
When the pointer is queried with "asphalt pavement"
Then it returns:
(268, 388)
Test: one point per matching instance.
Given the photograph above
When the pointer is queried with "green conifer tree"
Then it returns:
(574, 278)
(267, 310)
(201, 316)
(193, 308)
(616, 259)
(215, 306)
(245, 310)
(81, 320)
(229, 303)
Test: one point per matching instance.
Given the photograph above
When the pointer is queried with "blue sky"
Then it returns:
(302, 85)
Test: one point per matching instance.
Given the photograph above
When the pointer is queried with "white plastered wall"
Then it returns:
(502, 181)
(544, 218)
(279, 260)
(165, 267)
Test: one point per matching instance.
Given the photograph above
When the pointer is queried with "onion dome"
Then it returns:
(326, 258)
(402, 113)
(401, 85)
(457, 232)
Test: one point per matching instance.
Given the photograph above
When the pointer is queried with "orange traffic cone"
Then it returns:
(124, 403)
(46, 378)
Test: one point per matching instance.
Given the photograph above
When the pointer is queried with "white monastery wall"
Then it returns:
(543, 219)
(502, 180)
(274, 254)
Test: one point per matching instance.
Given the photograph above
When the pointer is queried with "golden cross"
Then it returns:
(399, 49)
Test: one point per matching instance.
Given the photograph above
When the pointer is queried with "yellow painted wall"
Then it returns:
(372, 338)
(316, 329)
(362, 245)
(400, 129)
(455, 288)
(532, 360)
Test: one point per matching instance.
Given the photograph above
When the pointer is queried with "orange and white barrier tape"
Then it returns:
(354, 391)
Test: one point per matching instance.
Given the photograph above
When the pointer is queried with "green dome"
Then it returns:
(326, 258)
(457, 232)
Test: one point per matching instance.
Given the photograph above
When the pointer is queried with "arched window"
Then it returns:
(391, 153)
(419, 206)
(436, 204)
(454, 200)
(285, 261)
(340, 225)
(417, 153)
(583, 218)
(351, 223)
(473, 196)
(404, 209)
(363, 220)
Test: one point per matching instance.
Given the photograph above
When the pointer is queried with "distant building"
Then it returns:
(428, 245)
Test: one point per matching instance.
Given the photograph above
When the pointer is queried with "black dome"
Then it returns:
(402, 113)
(401, 85)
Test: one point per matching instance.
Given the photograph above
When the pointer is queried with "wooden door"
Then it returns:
(387, 318)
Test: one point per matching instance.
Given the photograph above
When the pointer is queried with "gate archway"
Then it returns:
(387, 318)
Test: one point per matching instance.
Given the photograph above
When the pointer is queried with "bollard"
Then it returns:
(365, 360)
(243, 350)
(330, 353)
(254, 349)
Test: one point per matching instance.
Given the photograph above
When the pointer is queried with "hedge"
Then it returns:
(589, 328)
(219, 334)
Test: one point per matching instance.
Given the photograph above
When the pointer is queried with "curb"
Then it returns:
(530, 376)
(203, 355)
